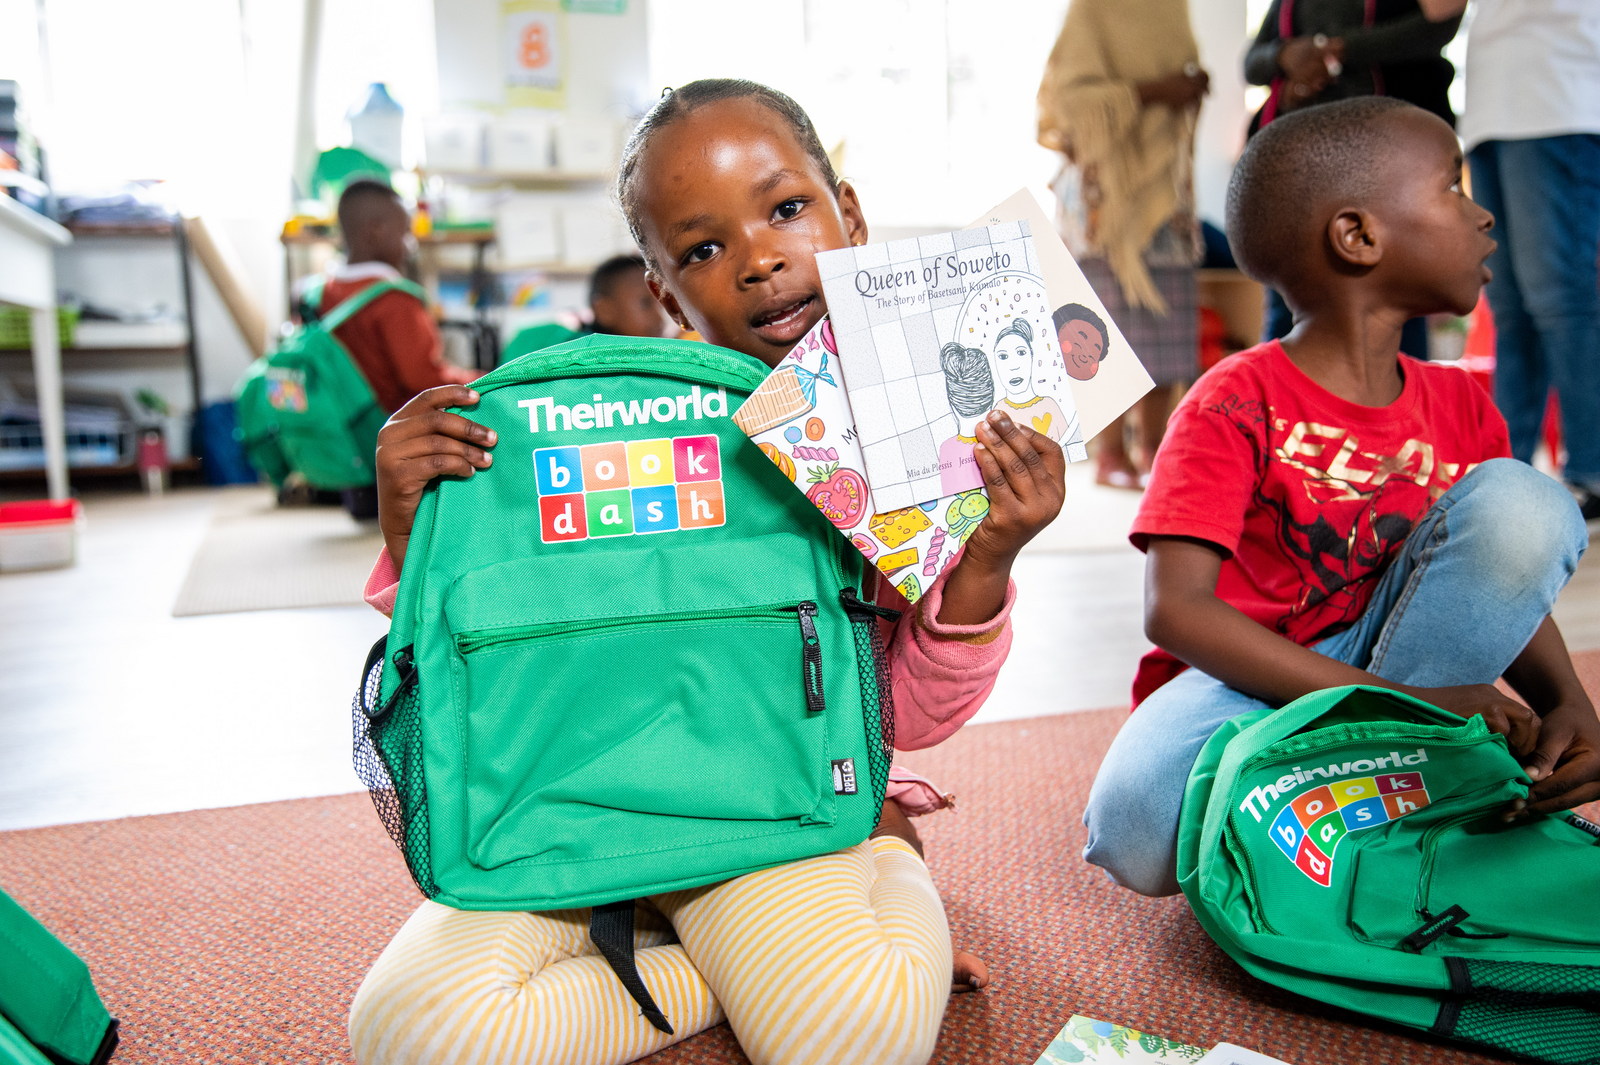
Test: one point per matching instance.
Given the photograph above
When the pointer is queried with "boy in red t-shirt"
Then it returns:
(1325, 512)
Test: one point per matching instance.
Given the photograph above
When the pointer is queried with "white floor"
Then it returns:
(111, 707)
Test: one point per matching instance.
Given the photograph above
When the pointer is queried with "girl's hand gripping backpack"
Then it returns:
(305, 407)
(1349, 847)
(629, 657)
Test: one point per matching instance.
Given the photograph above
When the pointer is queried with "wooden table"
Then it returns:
(28, 277)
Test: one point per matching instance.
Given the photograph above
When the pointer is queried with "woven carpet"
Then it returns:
(259, 556)
(240, 935)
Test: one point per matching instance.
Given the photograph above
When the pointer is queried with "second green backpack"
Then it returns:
(1350, 848)
(629, 657)
(305, 408)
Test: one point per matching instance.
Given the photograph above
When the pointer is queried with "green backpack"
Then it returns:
(1349, 847)
(305, 408)
(628, 658)
(49, 1011)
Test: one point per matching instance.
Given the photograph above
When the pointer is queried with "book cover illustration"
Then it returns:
(1088, 1040)
(1104, 386)
(801, 419)
(935, 332)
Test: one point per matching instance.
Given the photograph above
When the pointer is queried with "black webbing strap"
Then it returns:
(611, 928)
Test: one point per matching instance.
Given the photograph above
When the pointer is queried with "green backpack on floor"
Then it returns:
(1349, 848)
(49, 1011)
(628, 658)
(305, 408)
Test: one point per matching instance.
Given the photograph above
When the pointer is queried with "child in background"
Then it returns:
(841, 958)
(394, 340)
(619, 301)
(1325, 512)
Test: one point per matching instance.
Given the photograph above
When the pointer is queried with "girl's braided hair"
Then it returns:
(677, 103)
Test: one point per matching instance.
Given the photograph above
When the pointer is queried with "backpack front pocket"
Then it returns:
(605, 736)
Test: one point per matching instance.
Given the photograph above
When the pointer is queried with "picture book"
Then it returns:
(1084, 1039)
(937, 331)
(801, 419)
(1103, 389)
(804, 416)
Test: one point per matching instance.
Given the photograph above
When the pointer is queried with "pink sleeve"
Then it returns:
(382, 584)
(941, 674)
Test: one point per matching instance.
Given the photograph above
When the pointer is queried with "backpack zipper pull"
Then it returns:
(855, 606)
(810, 656)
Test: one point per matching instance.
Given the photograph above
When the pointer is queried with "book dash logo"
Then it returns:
(628, 488)
(1310, 828)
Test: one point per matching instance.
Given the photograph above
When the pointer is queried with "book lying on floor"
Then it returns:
(1084, 1039)
(873, 413)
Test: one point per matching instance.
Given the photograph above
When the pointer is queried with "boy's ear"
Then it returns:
(1354, 236)
(668, 301)
(855, 222)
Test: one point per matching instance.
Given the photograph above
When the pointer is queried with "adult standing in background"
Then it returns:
(1532, 133)
(1119, 99)
(1317, 51)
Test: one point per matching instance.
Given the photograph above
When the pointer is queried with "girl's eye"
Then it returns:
(788, 209)
(699, 253)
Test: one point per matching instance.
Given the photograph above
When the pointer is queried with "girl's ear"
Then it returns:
(1354, 237)
(855, 223)
(668, 301)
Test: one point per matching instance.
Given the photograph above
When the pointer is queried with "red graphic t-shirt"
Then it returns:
(1310, 495)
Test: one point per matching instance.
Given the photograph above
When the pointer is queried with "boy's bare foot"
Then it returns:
(970, 973)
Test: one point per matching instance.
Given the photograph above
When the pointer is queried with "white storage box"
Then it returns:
(519, 144)
(453, 142)
(39, 534)
(586, 146)
(526, 230)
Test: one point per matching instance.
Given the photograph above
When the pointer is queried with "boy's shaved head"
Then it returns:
(1294, 170)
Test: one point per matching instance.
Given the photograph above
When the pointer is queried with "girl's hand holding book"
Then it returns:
(1025, 474)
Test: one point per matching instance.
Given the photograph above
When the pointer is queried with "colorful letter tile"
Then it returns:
(1312, 805)
(1287, 833)
(700, 504)
(1364, 814)
(562, 517)
(1405, 802)
(1327, 832)
(1312, 862)
(696, 458)
(558, 469)
(605, 466)
(649, 462)
(655, 509)
(1346, 792)
(1391, 783)
(610, 513)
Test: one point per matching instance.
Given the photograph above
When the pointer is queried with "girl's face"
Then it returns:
(734, 213)
(1013, 363)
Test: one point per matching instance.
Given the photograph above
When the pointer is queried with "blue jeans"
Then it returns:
(1470, 586)
(1545, 197)
(1278, 320)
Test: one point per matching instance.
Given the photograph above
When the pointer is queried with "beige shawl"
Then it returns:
(1141, 158)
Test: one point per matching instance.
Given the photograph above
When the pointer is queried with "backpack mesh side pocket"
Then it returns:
(1545, 1012)
(877, 693)
(388, 759)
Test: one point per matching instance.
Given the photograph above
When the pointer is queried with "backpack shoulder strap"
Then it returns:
(349, 307)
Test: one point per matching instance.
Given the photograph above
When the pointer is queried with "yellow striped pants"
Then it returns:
(837, 959)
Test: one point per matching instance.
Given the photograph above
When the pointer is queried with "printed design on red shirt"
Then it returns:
(1340, 550)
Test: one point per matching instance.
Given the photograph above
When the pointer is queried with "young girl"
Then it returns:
(844, 957)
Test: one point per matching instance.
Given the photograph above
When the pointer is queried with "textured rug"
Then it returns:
(240, 935)
(259, 556)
